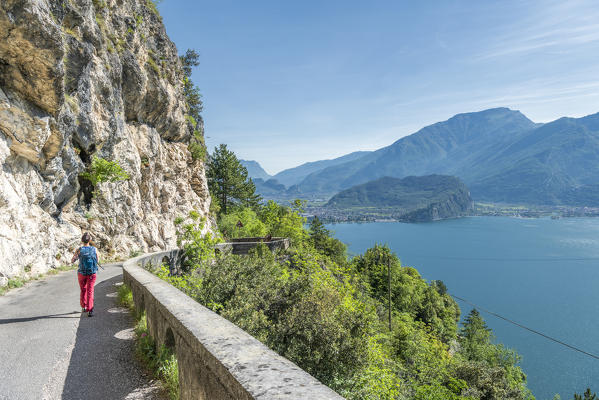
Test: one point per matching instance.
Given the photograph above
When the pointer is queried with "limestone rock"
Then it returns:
(80, 79)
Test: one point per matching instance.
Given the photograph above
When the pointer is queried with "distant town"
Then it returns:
(331, 215)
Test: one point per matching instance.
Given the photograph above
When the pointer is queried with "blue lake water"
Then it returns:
(542, 273)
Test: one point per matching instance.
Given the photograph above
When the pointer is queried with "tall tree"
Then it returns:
(228, 181)
(323, 241)
(318, 233)
(191, 59)
(193, 98)
(476, 337)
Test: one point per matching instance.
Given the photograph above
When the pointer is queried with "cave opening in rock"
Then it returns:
(86, 191)
(86, 187)
(84, 155)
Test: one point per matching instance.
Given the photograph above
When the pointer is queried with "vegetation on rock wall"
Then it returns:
(193, 98)
(102, 170)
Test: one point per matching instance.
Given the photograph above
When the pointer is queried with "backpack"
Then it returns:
(87, 260)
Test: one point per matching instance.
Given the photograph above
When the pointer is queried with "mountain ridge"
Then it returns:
(420, 152)
(292, 176)
(499, 153)
(255, 170)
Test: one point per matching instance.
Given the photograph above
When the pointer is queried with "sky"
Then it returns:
(287, 82)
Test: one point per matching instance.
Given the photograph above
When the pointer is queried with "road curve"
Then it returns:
(50, 350)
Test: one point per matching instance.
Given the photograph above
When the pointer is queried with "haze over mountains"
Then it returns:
(255, 170)
(293, 176)
(499, 153)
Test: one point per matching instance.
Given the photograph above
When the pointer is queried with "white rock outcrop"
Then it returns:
(80, 79)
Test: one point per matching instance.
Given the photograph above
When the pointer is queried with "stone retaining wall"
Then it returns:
(242, 246)
(217, 360)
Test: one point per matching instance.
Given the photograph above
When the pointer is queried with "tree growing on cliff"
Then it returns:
(191, 59)
(228, 181)
(193, 98)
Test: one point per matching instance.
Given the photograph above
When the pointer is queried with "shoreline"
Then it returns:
(329, 215)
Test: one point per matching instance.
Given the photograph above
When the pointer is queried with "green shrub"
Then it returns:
(125, 296)
(153, 64)
(162, 362)
(153, 7)
(284, 221)
(135, 253)
(197, 146)
(102, 170)
(16, 282)
(198, 246)
(99, 5)
(168, 371)
(251, 225)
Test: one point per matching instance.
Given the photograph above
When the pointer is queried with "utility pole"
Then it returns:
(389, 288)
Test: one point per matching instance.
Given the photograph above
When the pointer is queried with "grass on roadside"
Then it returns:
(125, 297)
(20, 281)
(56, 270)
(161, 362)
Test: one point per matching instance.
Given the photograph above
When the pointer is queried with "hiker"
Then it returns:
(88, 266)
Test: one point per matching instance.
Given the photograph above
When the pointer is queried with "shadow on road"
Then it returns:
(27, 319)
(102, 364)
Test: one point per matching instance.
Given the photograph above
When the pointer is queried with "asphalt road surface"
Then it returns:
(49, 349)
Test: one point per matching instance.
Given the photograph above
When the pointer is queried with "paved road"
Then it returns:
(50, 350)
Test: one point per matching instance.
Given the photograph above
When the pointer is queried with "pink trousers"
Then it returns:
(86, 283)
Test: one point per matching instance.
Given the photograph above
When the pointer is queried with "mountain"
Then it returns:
(448, 147)
(292, 176)
(555, 164)
(499, 153)
(414, 198)
(269, 188)
(255, 170)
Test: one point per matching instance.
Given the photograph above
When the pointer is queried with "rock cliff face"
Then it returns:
(80, 79)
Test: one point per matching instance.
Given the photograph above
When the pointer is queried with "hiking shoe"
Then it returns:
(90, 313)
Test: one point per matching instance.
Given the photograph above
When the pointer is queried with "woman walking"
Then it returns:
(88, 266)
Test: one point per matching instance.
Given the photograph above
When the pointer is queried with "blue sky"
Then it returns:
(286, 82)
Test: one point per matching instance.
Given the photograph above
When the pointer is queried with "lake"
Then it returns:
(542, 273)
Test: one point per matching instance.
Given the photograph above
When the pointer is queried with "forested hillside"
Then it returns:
(415, 198)
(330, 314)
(368, 327)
